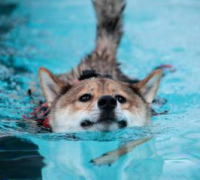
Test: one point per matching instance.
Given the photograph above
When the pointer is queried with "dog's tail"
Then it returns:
(109, 15)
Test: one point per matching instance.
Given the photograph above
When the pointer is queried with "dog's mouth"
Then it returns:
(87, 124)
(104, 124)
(107, 121)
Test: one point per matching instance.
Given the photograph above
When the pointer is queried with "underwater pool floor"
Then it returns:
(56, 35)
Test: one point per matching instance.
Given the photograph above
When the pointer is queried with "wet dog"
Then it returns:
(96, 95)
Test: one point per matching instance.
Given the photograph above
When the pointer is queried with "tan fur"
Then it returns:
(98, 88)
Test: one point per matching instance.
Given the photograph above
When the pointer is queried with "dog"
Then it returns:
(96, 95)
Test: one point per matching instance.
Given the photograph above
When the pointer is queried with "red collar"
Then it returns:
(40, 115)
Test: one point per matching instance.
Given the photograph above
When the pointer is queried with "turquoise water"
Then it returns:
(57, 34)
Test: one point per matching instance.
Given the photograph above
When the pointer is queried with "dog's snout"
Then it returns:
(107, 103)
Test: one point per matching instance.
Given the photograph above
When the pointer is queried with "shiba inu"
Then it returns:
(96, 95)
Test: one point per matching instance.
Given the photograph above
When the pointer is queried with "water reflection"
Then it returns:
(19, 159)
(72, 160)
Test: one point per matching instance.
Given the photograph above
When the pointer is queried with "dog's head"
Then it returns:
(98, 103)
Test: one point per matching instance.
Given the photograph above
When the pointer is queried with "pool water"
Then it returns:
(56, 35)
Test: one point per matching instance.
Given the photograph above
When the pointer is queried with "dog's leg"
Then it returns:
(109, 25)
(110, 157)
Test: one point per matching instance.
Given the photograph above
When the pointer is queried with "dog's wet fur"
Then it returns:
(96, 95)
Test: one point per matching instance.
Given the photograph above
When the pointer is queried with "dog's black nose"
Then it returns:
(107, 103)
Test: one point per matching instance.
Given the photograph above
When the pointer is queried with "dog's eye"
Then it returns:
(120, 99)
(85, 98)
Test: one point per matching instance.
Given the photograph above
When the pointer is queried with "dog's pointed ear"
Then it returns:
(51, 85)
(149, 86)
